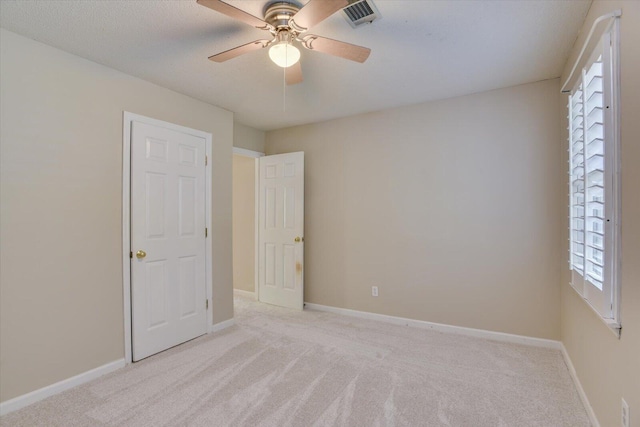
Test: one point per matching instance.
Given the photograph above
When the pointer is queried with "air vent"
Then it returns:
(361, 12)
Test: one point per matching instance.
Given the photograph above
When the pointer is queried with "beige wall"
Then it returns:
(609, 368)
(449, 207)
(61, 199)
(243, 223)
(248, 138)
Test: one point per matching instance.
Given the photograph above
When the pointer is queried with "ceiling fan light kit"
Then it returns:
(287, 24)
(283, 53)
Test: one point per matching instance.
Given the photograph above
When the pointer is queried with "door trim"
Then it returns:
(256, 192)
(247, 153)
(126, 218)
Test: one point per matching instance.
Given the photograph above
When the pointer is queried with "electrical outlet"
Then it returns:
(625, 414)
(374, 291)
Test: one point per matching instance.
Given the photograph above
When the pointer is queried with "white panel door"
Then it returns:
(281, 227)
(168, 294)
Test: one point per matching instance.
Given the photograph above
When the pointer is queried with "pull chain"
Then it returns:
(284, 89)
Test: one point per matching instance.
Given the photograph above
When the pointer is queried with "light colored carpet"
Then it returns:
(278, 367)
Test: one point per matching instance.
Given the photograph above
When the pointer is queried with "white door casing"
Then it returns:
(281, 228)
(168, 294)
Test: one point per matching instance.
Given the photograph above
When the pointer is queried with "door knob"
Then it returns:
(298, 239)
(141, 254)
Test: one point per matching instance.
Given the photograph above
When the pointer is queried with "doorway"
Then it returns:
(244, 222)
(268, 227)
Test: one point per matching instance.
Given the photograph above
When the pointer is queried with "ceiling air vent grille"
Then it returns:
(361, 12)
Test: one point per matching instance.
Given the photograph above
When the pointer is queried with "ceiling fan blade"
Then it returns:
(336, 48)
(293, 74)
(235, 13)
(240, 50)
(315, 12)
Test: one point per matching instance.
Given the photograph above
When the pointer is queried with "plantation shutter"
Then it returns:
(576, 120)
(591, 172)
(594, 174)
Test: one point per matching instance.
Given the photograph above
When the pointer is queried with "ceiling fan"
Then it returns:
(288, 23)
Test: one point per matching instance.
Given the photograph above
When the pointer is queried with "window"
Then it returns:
(593, 171)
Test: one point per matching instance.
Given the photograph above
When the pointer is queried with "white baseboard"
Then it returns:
(581, 393)
(459, 330)
(215, 327)
(248, 294)
(40, 394)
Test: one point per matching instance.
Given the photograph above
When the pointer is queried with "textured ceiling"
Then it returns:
(421, 50)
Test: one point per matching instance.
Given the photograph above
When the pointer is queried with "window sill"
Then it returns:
(614, 327)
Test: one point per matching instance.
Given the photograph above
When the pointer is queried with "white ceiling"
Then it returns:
(421, 50)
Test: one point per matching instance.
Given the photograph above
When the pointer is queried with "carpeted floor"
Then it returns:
(278, 367)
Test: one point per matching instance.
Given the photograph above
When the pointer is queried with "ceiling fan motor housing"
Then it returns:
(279, 15)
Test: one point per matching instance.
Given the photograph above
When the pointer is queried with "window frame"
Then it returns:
(606, 301)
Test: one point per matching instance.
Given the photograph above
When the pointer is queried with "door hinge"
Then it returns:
(206, 232)
(207, 304)
(206, 160)
(130, 254)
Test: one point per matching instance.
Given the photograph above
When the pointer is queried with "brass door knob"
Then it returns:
(298, 239)
(141, 254)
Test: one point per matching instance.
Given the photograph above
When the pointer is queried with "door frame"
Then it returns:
(256, 193)
(126, 219)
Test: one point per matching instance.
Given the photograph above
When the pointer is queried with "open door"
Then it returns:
(280, 229)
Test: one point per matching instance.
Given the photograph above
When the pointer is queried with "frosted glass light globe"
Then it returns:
(284, 54)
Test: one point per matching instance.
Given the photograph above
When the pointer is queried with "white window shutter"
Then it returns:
(592, 177)
(594, 174)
